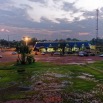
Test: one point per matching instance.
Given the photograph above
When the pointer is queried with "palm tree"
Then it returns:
(23, 53)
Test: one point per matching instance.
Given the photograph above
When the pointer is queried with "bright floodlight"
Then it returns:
(26, 39)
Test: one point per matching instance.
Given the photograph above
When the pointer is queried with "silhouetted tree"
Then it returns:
(62, 46)
(24, 51)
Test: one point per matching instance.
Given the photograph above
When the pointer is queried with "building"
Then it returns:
(70, 46)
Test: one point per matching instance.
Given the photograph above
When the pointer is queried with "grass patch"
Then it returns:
(82, 85)
(9, 74)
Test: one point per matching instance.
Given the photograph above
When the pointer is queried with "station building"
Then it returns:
(70, 46)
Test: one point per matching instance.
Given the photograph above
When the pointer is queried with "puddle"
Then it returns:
(56, 75)
(23, 88)
(52, 68)
(86, 76)
(60, 75)
(66, 83)
(82, 77)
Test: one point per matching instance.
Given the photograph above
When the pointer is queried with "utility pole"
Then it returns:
(97, 12)
(8, 41)
(96, 44)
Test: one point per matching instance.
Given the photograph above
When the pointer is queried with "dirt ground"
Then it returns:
(67, 59)
(7, 57)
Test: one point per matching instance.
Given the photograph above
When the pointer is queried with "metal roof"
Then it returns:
(56, 44)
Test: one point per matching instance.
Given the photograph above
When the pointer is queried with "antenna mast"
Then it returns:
(97, 24)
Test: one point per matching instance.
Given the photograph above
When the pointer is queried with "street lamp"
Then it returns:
(26, 39)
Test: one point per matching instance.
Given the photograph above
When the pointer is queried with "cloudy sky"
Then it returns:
(50, 19)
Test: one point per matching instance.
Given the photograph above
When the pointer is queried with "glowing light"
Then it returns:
(26, 39)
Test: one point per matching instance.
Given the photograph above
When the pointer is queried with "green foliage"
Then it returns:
(30, 59)
(24, 56)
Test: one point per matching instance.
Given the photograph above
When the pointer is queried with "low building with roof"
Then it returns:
(56, 46)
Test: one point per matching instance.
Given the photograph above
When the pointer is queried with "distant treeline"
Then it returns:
(6, 43)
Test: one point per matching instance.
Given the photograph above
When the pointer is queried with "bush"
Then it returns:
(25, 54)
(30, 59)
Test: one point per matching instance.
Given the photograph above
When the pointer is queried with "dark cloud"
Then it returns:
(25, 6)
(18, 17)
(101, 12)
(89, 14)
(69, 7)
(15, 17)
(46, 29)
(4, 1)
(101, 9)
(76, 19)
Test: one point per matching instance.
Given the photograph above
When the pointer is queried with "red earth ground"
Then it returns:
(67, 59)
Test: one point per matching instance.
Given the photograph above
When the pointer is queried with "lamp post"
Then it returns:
(26, 39)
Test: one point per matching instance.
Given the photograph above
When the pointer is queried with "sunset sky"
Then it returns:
(50, 19)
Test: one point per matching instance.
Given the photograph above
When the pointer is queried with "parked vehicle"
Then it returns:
(57, 53)
(101, 55)
(14, 53)
(70, 52)
(1, 56)
(86, 54)
(92, 54)
(82, 53)
(42, 53)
